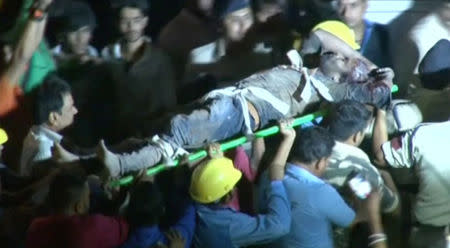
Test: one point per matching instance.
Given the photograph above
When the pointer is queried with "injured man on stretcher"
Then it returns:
(282, 92)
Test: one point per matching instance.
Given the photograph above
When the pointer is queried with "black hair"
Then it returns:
(146, 205)
(312, 144)
(76, 16)
(66, 188)
(347, 118)
(50, 97)
(257, 4)
(142, 5)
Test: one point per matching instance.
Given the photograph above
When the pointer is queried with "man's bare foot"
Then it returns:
(61, 155)
(108, 158)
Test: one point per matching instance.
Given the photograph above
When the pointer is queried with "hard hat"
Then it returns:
(213, 179)
(340, 30)
(3, 137)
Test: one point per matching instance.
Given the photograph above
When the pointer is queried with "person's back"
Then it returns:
(312, 226)
(315, 205)
(426, 148)
(347, 123)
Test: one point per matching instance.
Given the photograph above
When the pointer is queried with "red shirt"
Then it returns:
(94, 231)
(10, 95)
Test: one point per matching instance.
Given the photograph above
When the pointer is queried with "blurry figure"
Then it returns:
(145, 209)
(132, 21)
(421, 38)
(373, 38)
(69, 224)
(15, 58)
(25, 61)
(433, 96)
(423, 149)
(39, 61)
(54, 112)
(78, 23)
(212, 186)
(141, 75)
(347, 123)
(267, 9)
(430, 30)
(194, 26)
(9, 180)
(236, 18)
(316, 206)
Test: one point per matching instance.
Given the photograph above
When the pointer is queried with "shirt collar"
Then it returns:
(300, 173)
(52, 135)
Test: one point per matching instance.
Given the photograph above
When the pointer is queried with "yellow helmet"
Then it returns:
(213, 179)
(3, 137)
(340, 30)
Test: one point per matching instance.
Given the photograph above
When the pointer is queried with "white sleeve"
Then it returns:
(397, 152)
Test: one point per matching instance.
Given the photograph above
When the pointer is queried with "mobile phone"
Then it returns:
(360, 186)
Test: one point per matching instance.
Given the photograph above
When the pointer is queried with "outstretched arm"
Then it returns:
(28, 43)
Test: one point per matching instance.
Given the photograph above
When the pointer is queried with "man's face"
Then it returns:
(334, 63)
(65, 117)
(78, 41)
(352, 11)
(237, 24)
(132, 24)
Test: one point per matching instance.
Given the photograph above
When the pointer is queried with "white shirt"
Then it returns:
(36, 147)
(114, 50)
(57, 51)
(426, 148)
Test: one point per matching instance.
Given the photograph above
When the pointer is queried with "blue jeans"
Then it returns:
(219, 118)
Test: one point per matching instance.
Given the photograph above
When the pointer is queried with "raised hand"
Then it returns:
(286, 128)
(214, 150)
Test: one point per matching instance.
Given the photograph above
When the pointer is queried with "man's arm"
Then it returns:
(28, 43)
(331, 204)
(380, 136)
(332, 43)
(258, 150)
(247, 230)
(377, 238)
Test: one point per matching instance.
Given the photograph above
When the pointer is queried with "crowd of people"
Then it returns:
(90, 94)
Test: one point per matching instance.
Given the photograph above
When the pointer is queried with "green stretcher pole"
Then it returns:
(229, 144)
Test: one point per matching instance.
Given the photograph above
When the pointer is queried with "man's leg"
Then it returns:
(221, 118)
